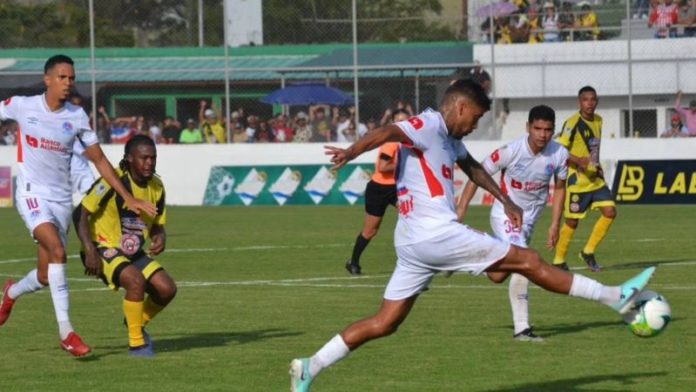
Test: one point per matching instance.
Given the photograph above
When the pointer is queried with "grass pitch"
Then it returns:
(259, 286)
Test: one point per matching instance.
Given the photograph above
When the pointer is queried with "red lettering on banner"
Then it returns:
(416, 122)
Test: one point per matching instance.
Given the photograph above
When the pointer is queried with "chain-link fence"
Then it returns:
(162, 67)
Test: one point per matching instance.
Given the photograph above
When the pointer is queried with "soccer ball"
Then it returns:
(649, 316)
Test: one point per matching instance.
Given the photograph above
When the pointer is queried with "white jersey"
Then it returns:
(525, 177)
(424, 179)
(45, 145)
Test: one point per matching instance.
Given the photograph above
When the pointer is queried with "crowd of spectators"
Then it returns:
(534, 22)
(671, 18)
(318, 123)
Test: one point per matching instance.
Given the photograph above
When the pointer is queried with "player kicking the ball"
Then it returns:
(527, 166)
(428, 239)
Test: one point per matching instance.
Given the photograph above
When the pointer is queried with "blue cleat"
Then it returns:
(300, 379)
(148, 340)
(142, 351)
(631, 288)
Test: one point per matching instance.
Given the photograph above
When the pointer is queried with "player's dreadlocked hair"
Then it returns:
(134, 142)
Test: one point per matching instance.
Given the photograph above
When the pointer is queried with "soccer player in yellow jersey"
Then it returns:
(113, 239)
(585, 187)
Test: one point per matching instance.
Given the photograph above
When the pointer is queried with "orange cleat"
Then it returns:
(7, 302)
(74, 345)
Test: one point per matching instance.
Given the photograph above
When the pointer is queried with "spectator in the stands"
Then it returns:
(264, 134)
(8, 132)
(252, 127)
(103, 126)
(687, 17)
(676, 128)
(587, 23)
(663, 18)
(155, 131)
(321, 125)
(688, 115)
(190, 134)
(549, 23)
(303, 131)
(283, 132)
(566, 21)
(212, 126)
(239, 134)
(170, 131)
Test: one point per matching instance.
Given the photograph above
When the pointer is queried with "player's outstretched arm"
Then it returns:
(374, 139)
(96, 155)
(480, 177)
(556, 212)
(465, 199)
(93, 264)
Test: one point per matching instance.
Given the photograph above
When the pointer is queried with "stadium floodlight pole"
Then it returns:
(227, 20)
(93, 75)
(355, 66)
(630, 70)
(200, 23)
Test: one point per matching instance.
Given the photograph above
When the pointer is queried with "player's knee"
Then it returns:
(56, 252)
(572, 223)
(370, 233)
(42, 276)
(132, 280)
(531, 260)
(609, 213)
(167, 293)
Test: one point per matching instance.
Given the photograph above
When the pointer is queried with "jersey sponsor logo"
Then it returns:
(110, 253)
(446, 172)
(405, 206)
(7, 101)
(495, 156)
(574, 207)
(416, 122)
(31, 120)
(52, 145)
(403, 191)
(100, 189)
(32, 141)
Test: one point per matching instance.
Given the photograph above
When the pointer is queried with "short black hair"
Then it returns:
(55, 60)
(131, 145)
(542, 112)
(399, 111)
(470, 89)
(586, 89)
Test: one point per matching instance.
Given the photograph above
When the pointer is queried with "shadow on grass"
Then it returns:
(193, 341)
(583, 383)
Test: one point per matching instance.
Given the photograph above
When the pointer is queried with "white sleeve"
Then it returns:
(9, 108)
(562, 167)
(85, 133)
(460, 150)
(423, 130)
(498, 160)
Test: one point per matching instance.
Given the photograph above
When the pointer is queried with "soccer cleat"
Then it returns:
(353, 269)
(528, 336)
(563, 266)
(590, 260)
(74, 345)
(148, 340)
(300, 379)
(631, 288)
(142, 351)
(7, 302)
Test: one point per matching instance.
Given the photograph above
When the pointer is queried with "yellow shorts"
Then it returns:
(113, 262)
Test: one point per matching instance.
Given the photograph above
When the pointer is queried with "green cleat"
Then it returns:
(631, 288)
(300, 379)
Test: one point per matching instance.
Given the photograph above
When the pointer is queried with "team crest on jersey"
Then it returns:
(574, 207)
(100, 189)
(495, 156)
(130, 244)
(575, 198)
(7, 101)
(32, 120)
(548, 170)
(110, 253)
(67, 127)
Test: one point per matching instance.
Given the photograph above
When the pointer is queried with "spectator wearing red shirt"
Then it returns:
(283, 132)
(663, 17)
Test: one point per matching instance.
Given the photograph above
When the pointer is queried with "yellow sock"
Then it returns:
(563, 243)
(134, 318)
(600, 230)
(150, 310)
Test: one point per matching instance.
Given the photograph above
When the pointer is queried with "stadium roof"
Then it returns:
(142, 65)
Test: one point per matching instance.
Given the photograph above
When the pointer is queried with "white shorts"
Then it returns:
(34, 211)
(504, 230)
(460, 249)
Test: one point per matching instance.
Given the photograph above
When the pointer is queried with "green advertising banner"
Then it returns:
(287, 184)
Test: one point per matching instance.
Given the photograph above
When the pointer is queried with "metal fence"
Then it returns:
(162, 66)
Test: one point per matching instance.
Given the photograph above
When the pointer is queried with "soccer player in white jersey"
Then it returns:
(429, 239)
(48, 128)
(81, 174)
(527, 166)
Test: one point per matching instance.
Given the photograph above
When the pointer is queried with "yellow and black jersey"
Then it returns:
(582, 139)
(112, 225)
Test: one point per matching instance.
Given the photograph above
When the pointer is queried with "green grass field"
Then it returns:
(259, 286)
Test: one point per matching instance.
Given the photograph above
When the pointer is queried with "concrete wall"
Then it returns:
(185, 169)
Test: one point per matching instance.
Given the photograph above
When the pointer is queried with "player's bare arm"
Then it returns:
(480, 177)
(93, 264)
(158, 240)
(581, 163)
(556, 212)
(374, 139)
(386, 164)
(465, 199)
(96, 155)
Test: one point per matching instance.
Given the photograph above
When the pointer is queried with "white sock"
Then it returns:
(332, 352)
(29, 284)
(58, 283)
(519, 301)
(587, 288)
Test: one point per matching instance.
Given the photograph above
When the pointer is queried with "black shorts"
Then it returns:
(378, 197)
